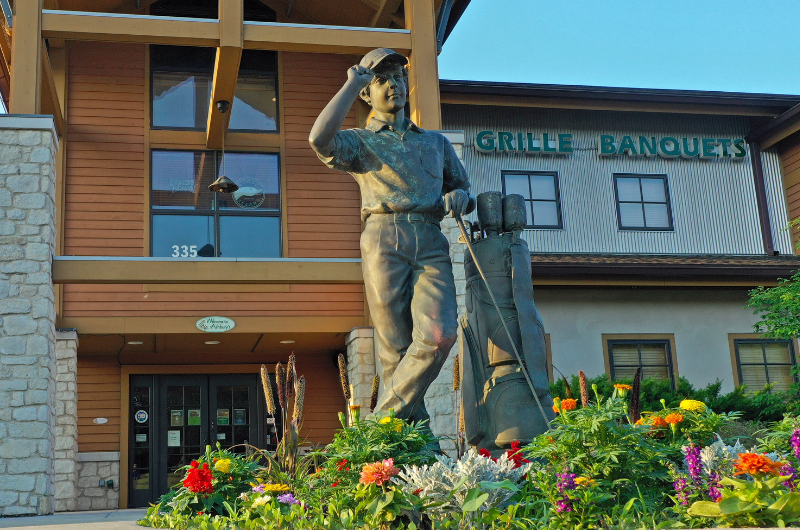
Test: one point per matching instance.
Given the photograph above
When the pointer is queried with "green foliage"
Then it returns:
(760, 405)
(778, 307)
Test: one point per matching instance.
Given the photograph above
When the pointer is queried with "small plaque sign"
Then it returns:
(140, 416)
(215, 324)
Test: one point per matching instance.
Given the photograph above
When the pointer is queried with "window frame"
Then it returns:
(529, 173)
(216, 213)
(748, 338)
(641, 338)
(210, 72)
(665, 179)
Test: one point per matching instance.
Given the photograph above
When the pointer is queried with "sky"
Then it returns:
(727, 45)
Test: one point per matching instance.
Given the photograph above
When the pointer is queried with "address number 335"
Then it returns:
(184, 251)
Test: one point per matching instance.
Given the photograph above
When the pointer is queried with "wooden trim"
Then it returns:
(26, 58)
(124, 433)
(641, 336)
(573, 282)
(632, 106)
(226, 288)
(219, 271)
(732, 346)
(196, 140)
(249, 324)
(158, 369)
(384, 12)
(90, 26)
(323, 39)
(50, 103)
(423, 80)
(58, 62)
(226, 69)
(147, 148)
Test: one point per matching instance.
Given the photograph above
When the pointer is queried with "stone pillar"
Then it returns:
(361, 365)
(27, 336)
(66, 431)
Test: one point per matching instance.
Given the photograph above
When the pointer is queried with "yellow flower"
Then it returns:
(262, 501)
(692, 404)
(583, 481)
(622, 386)
(223, 465)
(397, 424)
(276, 487)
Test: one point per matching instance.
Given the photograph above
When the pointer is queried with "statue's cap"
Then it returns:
(378, 55)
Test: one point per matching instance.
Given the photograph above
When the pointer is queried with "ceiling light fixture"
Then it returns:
(135, 342)
(212, 342)
(287, 342)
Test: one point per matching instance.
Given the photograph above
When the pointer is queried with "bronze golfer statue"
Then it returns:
(409, 179)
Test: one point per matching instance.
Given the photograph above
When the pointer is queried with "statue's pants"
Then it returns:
(411, 293)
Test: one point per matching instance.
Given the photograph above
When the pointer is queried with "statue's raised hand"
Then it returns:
(359, 76)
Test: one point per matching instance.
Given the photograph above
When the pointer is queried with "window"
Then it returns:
(654, 354)
(189, 221)
(762, 362)
(642, 202)
(540, 190)
(182, 82)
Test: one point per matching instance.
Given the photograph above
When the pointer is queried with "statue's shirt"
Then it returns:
(398, 172)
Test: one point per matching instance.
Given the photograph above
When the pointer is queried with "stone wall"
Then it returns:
(27, 345)
(92, 468)
(66, 430)
(361, 366)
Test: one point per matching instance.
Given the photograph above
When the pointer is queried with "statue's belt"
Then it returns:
(413, 217)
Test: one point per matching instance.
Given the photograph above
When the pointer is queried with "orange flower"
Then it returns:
(754, 464)
(673, 418)
(658, 422)
(378, 472)
(640, 421)
(569, 404)
(557, 405)
(621, 386)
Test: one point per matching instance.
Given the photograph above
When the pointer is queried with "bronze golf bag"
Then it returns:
(498, 404)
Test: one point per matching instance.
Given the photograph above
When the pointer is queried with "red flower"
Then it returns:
(515, 454)
(200, 512)
(341, 465)
(417, 491)
(198, 480)
(486, 454)
(335, 484)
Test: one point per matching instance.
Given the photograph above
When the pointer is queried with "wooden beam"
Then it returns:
(102, 270)
(587, 104)
(111, 27)
(383, 16)
(50, 103)
(323, 39)
(423, 79)
(26, 57)
(226, 69)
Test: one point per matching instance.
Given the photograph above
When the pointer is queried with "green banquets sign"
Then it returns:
(523, 142)
(531, 143)
(671, 147)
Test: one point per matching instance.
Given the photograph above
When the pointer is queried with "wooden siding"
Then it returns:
(98, 397)
(104, 199)
(790, 160)
(323, 399)
(323, 206)
(106, 185)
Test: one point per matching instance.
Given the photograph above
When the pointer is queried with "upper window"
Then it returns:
(540, 190)
(189, 221)
(643, 202)
(654, 357)
(182, 83)
(763, 362)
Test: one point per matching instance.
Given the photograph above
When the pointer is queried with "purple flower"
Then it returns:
(680, 487)
(259, 488)
(288, 498)
(713, 486)
(564, 505)
(566, 481)
(792, 473)
(795, 441)
(692, 458)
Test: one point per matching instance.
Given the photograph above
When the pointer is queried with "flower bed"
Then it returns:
(603, 464)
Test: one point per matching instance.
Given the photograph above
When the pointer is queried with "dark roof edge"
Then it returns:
(455, 16)
(496, 88)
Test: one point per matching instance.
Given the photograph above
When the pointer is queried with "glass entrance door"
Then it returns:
(174, 417)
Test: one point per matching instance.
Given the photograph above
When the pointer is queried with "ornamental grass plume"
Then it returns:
(456, 376)
(297, 415)
(584, 389)
(636, 395)
(280, 376)
(373, 397)
(291, 376)
(343, 379)
(378, 472)
(268, 396)
(754, 464)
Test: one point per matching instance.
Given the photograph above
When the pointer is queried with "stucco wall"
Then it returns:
(700, 319)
